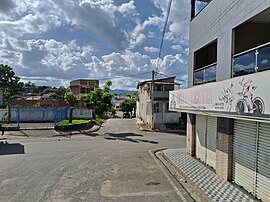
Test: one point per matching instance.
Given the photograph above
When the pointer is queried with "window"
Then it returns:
(205, 61)
(156, 108)
(251, 52)
(197, 6)
(159, 87)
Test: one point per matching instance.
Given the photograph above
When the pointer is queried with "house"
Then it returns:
(228, 99)
(83, 86)
(117, 100)
(161, 113)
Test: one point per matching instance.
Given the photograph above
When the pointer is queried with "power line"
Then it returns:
(176, 60)
(163, 33)
(164, 75)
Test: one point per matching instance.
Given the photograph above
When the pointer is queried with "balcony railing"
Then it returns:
(251, 61)
(205, 74)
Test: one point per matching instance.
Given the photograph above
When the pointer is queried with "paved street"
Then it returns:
(113, 164)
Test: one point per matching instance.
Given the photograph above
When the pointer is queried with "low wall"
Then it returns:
(2, 114)
(38, 114)
(45, 114)
(81, 113)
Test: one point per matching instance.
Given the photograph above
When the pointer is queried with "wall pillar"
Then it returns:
(224, 148)
(191, 134)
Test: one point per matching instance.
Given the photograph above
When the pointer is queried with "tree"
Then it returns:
(59, 93)
(9, 83)
(128, 105)
(99, 100)
(71, 100)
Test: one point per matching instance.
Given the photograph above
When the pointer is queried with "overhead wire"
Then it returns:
(163, 33)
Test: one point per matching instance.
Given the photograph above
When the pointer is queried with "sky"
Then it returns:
(51, 42)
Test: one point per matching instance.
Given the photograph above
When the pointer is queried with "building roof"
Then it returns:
(85, 80)
(158, 81)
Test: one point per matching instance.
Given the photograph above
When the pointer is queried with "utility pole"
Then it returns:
(152, 100)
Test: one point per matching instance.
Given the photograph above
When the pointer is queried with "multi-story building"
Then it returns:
(228, 102)
(83, 86)
(161, 113)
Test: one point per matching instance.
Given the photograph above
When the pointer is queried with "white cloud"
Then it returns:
(127, 8)
(58, 62)
(176, 47)
(27, 40)
(97, 17)
(151, 49)
(178, 19)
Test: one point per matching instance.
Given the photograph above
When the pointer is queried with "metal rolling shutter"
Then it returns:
(244, 154)
(201, 137)
(263, 166)
(211, 141)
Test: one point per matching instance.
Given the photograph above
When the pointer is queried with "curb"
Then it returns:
(70, 133)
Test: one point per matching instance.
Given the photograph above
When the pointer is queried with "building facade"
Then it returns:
(159, 113)
(228, 99)
(83, 86)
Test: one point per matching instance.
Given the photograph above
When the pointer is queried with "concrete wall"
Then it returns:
(82, 113)
(165, 116)
(216, 22)
(171, 117)
(2, 114)
(45, 114)
(38, 114)
(144, 113)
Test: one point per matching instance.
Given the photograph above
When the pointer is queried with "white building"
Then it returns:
(161, 113)
(228, 99)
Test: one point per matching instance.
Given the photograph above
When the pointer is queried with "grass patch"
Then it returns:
(74, 122)
(97, 121)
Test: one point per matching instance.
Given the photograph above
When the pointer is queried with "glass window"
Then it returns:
(199, 6)
(244, 64)
(210, 74)
(205, 75)
(263, 59)
(198, 77)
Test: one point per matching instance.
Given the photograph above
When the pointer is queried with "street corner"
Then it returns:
(79, 133)
(10, 135)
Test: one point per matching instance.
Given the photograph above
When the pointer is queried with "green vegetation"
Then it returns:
(9, 83)
(128, 105)
(65, 122)
(99, 100)
(71, 100)
(12, 86)
(97, 121)
(37, 104)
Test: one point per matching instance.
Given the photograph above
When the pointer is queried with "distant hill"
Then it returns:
(119, 91)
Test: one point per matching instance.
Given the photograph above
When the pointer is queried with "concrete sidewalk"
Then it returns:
(204, 178)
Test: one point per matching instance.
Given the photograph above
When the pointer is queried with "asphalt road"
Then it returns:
(113, 164)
